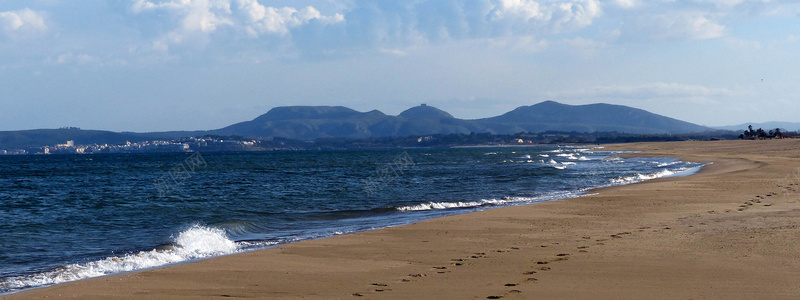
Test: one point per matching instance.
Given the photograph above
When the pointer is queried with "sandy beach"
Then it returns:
(728, 232)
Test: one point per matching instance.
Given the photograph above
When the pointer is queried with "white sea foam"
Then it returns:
(569, 156)
(467, 204)
(194, 243)
(643, 177)
(544, 155)
(489, 202)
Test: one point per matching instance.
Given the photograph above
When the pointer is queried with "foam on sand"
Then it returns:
(194, 243)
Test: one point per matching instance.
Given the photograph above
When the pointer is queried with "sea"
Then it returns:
(71, 217)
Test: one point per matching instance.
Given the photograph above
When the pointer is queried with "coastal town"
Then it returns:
(190, 144)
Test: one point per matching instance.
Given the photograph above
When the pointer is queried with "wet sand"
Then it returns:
(728, 232)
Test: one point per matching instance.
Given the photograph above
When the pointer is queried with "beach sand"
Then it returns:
(728, 232)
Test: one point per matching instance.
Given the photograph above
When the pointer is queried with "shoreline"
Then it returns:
(473, 206)
(574, 247)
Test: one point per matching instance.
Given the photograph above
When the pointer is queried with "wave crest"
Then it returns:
(194, 243)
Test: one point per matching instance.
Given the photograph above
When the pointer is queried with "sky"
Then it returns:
(159, 65)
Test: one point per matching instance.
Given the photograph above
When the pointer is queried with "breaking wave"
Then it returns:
(194, 243)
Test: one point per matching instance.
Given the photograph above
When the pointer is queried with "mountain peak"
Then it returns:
(425, 112)
(551, 115)
(550, 103)
(307, 112)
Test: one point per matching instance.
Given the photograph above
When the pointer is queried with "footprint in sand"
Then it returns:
(499, 296)
(479, 255)
(457, 261)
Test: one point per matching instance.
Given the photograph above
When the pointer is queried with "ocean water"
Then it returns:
(72, 217)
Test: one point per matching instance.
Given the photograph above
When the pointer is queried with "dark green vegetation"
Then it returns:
(784, 126)
(761, 134)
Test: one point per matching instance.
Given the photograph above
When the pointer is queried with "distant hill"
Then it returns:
(42, 137)
(785, 126)
(313, 122)
(551, 115)
(308, 123)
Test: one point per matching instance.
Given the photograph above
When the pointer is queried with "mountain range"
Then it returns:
(314, 122)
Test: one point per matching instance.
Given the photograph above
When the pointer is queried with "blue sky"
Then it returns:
(154, 65)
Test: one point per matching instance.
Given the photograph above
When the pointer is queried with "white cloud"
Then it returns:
(258, 19)
(524, 10)
(200, 18)
(626, 3)
(698, 28)
(676, 25)
(577, 14)
(555, 16)
(22, 23)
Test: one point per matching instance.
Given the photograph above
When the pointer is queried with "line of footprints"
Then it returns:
(542, 266)
(539, 266)
(757, 200)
